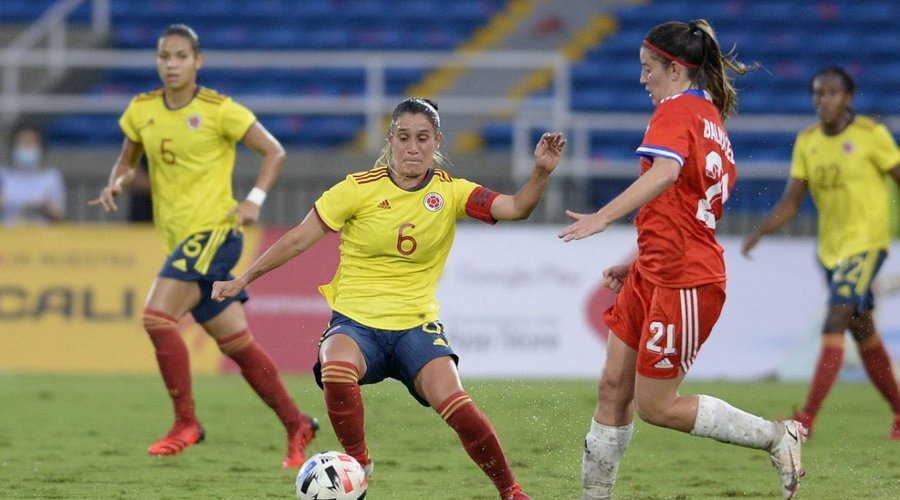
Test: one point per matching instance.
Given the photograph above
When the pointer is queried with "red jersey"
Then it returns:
(677, 245)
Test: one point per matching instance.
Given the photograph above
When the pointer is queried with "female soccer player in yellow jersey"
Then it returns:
(189, 134)
(397, 223)
(845, 161)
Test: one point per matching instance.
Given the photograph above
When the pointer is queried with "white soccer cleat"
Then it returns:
(785, 457)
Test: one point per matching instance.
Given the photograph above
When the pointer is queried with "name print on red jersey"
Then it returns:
(715, 132)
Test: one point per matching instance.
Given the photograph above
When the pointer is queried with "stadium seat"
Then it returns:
(274, 25)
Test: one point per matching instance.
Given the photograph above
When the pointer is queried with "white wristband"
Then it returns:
(257, 196)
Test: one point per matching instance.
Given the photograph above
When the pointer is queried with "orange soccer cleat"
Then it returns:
(179, 437)
(895, 430)
(298, 441)
(514, 493)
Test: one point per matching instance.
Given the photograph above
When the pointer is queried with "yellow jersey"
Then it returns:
(190, 153)
(847, 177)
(394, 243)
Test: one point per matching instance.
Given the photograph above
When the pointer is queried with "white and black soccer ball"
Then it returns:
(331, 475)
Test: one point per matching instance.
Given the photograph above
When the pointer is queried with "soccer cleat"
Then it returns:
(514, 493)
(180, 436)
(298, 441)
(804, 418)
(369, 468)
(785, 457)
(895, 430)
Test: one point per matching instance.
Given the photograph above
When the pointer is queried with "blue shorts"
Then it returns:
(398, 354)
(850, 282)
(206, 257)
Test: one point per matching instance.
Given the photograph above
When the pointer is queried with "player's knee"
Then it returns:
(653, 411)
(157, 321)
(615, 391)
(838, 318)
(234, 343)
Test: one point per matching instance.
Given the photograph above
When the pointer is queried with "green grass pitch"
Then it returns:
(76, 436)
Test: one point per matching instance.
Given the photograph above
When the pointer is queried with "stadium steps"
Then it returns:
(540, 81)
(447, 79)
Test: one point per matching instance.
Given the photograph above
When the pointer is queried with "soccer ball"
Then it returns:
(331, 475)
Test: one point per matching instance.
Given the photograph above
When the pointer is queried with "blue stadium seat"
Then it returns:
(274, 25)
(26, 11)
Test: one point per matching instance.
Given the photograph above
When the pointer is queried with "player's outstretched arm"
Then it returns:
(648, 186)
(122, 173)
(292, 244)
(783, 211)
(519, 206)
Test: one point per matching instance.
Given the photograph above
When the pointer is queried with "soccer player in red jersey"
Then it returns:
(189, 134)
(397, 223)
(670, 298)
(846, 162)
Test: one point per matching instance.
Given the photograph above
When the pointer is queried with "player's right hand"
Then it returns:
(614, 277)
(107, 198)
(222, 290)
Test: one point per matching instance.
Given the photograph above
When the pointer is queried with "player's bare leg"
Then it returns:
(612, 423)
(657, 402)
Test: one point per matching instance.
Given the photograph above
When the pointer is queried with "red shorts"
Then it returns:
(666, 326)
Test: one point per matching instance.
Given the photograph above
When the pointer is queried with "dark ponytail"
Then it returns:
(694, 46)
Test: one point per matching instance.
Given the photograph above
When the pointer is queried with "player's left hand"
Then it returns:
(548, 151)
(584, 226)
(245, 214)
(222, 290)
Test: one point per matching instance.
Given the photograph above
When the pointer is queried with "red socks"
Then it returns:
(478, 438)
(831, 358)
(343, 400)
(261, 373)
(256, 366)
(878, 366)
(174, 361)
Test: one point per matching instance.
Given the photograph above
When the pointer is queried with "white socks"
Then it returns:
(718, 420)
(604, 447)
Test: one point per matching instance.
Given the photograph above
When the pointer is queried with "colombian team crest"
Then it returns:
(194, 121)
(433, 201)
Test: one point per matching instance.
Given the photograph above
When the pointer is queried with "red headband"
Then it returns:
(670, 57)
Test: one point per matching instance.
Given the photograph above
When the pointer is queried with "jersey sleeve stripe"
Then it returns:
(654, 151)
(371, 175)
(373, 178)
(209, 99)
(442, 175)
(149, 96)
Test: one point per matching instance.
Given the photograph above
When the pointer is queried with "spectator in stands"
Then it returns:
(30, 191)
(397, 223)
(846, 162)
(669, 299)
(189, 134)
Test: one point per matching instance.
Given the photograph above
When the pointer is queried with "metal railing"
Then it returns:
(374, 102)
(52, 28)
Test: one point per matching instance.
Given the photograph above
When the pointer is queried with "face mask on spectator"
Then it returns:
(26, 156)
